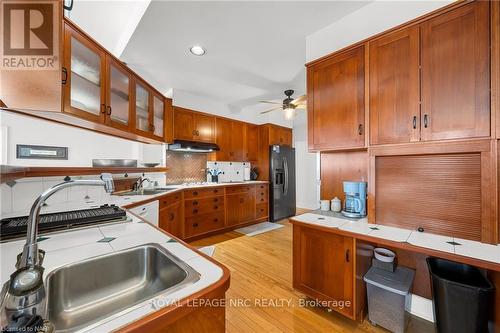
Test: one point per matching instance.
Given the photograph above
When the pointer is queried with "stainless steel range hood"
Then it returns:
(193, 147)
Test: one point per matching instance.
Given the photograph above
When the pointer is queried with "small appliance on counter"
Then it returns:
(355, 199)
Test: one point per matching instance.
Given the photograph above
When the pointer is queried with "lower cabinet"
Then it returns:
(172, 219)
(203, 224)
(240, 208)
(323, 268)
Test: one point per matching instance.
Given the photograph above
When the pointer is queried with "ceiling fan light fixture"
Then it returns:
(289, 113)
(197, 50)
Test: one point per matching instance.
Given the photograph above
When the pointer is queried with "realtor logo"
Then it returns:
(28, 35)
(28, 29)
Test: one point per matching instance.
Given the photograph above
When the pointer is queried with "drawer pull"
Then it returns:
(216, 220)
(216, 207)
(216, 200)
(195, 193)
(195, 211)
(171, 217)
(347, 255)
(195, 225)
(261, 199)
(216, 191)
(261, 193)
(195, 203)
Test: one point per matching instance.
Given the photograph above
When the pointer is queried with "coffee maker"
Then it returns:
(355, 199)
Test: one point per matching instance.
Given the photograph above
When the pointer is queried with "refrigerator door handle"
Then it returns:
(285, 165)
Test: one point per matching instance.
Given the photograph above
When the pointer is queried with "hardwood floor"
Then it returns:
(261, 270)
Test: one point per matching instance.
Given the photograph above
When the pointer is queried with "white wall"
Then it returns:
(367, 21)
(83, 145)
(306, 178)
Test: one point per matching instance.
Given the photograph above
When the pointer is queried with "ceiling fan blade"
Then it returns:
(299, 100)
(300, 107)
(270, 110)
(271, 102)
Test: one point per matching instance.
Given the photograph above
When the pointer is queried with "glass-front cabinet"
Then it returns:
(143, 121)
(158, 116)
(84, 66)
(119, 106)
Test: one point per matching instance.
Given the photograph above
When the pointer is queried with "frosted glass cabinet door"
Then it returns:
(84, 64)
(142, 108)
(158, 116)
(119, 96)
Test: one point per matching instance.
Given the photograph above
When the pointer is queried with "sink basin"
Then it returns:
(86, 292)
(147, 191)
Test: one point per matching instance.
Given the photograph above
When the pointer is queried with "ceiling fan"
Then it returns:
(288, 105)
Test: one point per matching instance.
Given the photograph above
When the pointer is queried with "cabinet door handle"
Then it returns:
(195, 225)
(65, 76)
(68, 7)
(171, 217)
(414, 122)
(360, 129)
(426, 121)
(195, 211)
(194, 132)
(109, 110)
(195, 203)
(347, 252)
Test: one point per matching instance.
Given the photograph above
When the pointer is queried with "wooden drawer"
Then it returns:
(169, 199)
(261, 187)
(239, 189)
(261, 196)
(195, 207)
(198, 225)
(262, 210)
(203, 192)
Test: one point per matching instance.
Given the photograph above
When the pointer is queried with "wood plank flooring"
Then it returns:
(261, 271)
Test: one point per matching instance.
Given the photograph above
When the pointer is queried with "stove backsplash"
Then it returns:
(186, 167)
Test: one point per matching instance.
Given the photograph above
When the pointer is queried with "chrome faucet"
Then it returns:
(138, 184)
(24, 293)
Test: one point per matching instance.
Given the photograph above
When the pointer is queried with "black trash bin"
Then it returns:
(462, 297)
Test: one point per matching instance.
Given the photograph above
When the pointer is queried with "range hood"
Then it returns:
(193, 146)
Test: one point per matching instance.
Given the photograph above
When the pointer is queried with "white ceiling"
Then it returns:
(255, 50)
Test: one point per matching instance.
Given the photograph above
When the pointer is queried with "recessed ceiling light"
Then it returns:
(197, 50)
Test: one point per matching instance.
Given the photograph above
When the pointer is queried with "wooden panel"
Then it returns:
(322, 279)
(198, 225)
(240, 208)
(261, 210)
(169, 121)
(239, 188)
(184, 127)
(251, 143)
(261, 195)
(495, 64)
(336, 107)
(203, 192)
(456, 74)
(204, 127)
(441, 193)
(198, 207)
(237, 140)
(263, 165)
(395, 88)
(223, 139)
(169, 199)
(172, 219)
(339, 167)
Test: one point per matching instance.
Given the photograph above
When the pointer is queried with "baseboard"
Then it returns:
(420, 307)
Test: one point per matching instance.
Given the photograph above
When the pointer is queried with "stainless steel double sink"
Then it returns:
(89, 291)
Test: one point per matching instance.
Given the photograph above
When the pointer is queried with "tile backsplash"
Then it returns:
(230, 171)
(20, 196)
(186, 167)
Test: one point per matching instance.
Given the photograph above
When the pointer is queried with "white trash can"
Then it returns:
(387, 293)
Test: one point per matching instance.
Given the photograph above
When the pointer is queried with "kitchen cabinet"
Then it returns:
(119, 107)
(323, 267)
(240, 207)
(84, 67)
(336, 106)
(158, 116)
(193, 126)
(143, 109)
(148, 212)
(172, 219)
(230, 137)
(456, 73)
(251, 143)
(280, 135)
(395, 87)
(237, 141)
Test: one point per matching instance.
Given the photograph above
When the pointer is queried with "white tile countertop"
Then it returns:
(67, 247)
(463, 247)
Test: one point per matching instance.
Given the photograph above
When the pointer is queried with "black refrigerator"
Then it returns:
(282, 178)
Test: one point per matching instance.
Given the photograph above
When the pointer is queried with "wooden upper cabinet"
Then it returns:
(336, 105)
(84, 64)
(158, 116)
(395, 87)
(183, 124)
(251, 143)
(119, 107)
(143, 108)
(280, 135)
(223, 139)
(204, 128)
(456, 74)
(193, 126)
(169, 121)
(237, 141)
